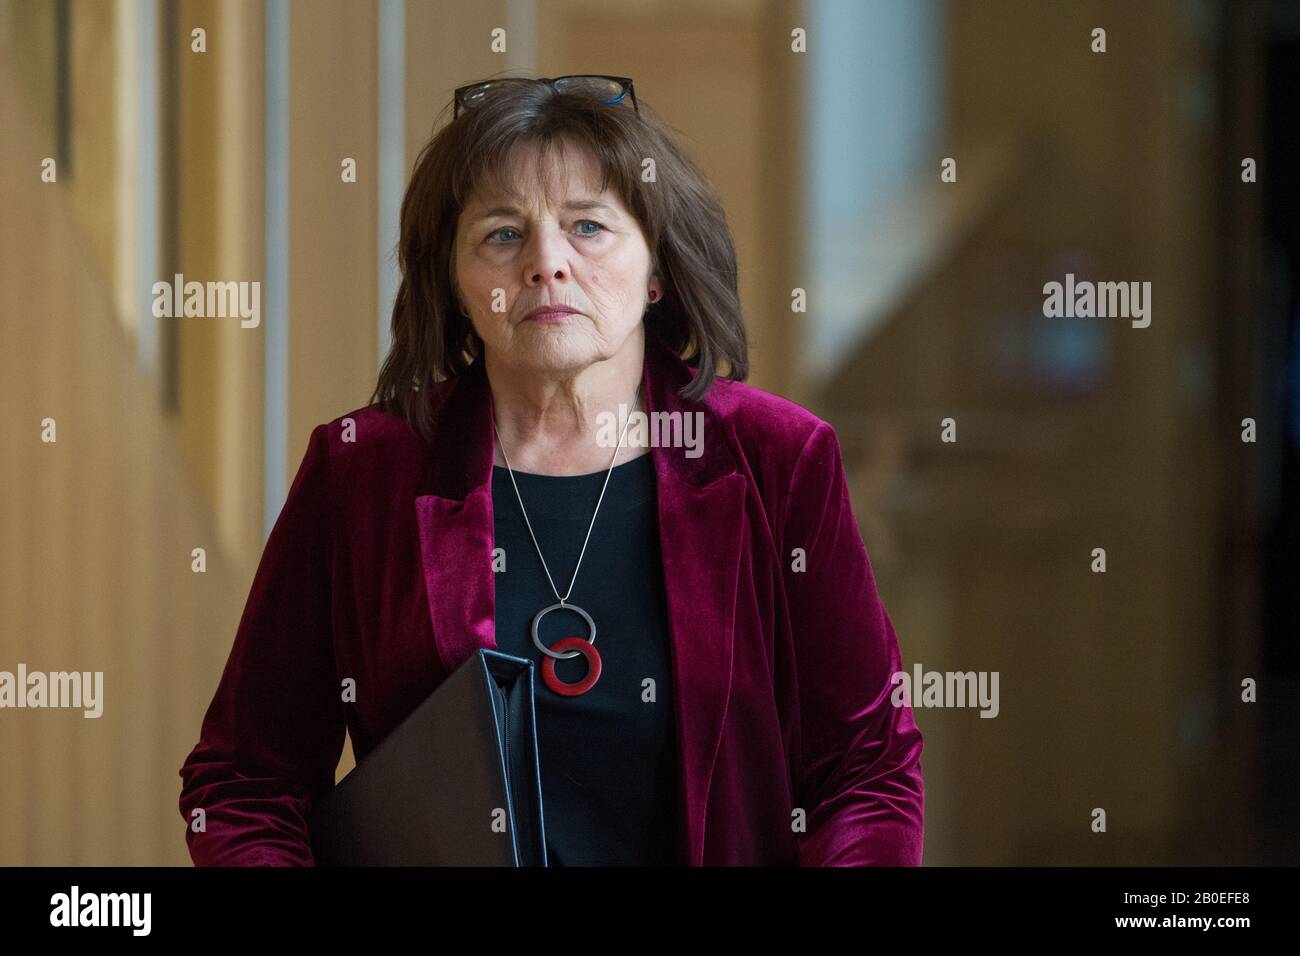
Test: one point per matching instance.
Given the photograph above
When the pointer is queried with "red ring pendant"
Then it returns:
(587, 650)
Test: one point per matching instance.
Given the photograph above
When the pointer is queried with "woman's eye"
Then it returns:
(496, 238)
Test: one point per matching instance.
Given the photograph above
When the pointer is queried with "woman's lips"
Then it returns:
(556, 314)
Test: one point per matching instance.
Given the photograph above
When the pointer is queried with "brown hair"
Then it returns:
(690, 243)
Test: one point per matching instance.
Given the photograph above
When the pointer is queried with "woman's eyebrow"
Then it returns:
(574, 205)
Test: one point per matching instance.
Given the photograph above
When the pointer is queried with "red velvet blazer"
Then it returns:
(379, 569)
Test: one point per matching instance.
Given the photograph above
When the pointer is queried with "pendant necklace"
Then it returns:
(566, 647)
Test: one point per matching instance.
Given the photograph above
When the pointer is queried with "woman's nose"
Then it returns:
(546, 256)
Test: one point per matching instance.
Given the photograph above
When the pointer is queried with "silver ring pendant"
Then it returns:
(537, 619)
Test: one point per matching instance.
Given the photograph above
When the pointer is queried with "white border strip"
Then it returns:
(148, 187)
(276, 369)
(392, 159)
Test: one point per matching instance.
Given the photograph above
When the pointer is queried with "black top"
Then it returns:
(608, 756)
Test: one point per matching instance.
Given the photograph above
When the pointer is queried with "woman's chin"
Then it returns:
(556, 350)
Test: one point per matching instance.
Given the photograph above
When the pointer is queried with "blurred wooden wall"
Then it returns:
(96, 532)
(1109, 693)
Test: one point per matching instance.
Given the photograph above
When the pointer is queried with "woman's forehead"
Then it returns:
(555, 176)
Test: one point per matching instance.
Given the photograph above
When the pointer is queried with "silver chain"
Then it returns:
(529, 524)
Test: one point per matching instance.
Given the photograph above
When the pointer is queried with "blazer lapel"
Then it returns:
(701, 518)
(455, 520)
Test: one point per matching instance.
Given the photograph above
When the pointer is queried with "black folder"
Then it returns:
(457, 783)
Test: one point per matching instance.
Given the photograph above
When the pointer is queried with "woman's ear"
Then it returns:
(656, 289)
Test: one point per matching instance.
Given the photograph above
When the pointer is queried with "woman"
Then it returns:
(560, 255)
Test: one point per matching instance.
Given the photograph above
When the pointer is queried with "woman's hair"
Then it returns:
(683, 222)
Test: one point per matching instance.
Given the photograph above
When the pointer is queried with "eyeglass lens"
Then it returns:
(597, 86)
(611, 91)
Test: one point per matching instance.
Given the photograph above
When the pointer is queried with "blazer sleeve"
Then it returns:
(273, 734)
(859, 767)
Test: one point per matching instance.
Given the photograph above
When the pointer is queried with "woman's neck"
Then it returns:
(566, 424)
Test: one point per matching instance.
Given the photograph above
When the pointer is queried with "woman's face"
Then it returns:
(580, 248)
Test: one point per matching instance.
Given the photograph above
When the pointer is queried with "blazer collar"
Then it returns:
(701, 514)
